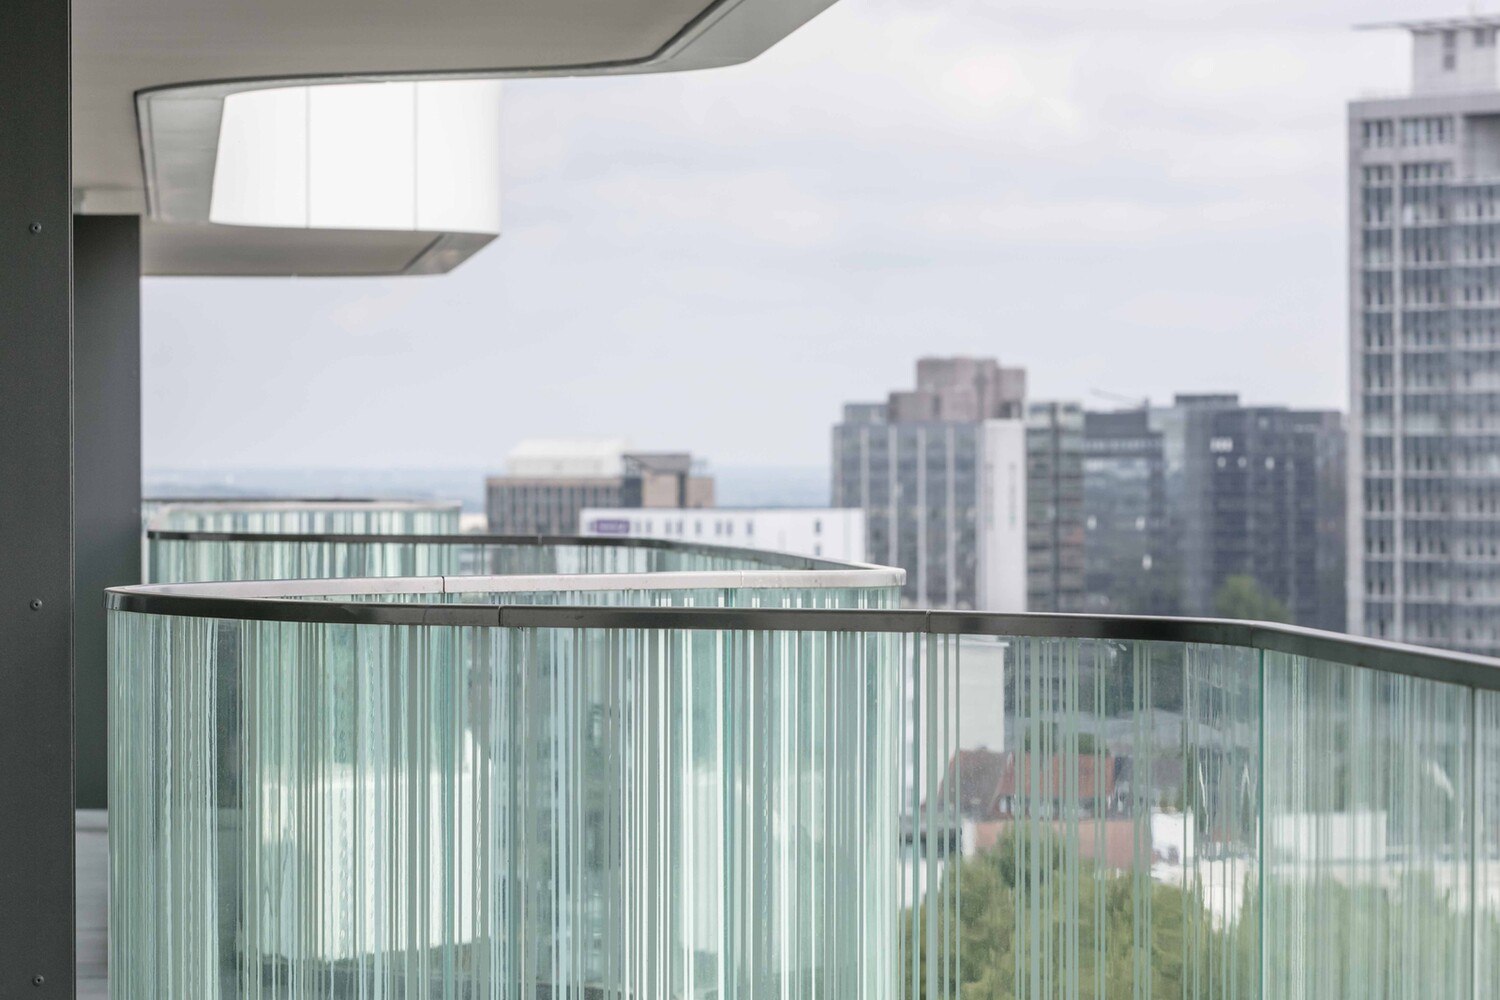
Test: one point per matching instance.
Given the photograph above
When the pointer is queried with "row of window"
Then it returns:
(1432, 329)
(1431, 246)
(1428, 130)
(1426, 172)
(1478, 636)
(1426, 497)
(1433, 543)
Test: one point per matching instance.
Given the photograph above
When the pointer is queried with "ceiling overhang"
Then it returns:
(151, 78)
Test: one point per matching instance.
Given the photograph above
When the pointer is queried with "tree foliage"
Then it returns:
(1027, 929)
(1242, 597)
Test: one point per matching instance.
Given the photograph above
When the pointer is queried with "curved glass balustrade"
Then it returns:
(302, 516)
(195, 556)
(406, 788)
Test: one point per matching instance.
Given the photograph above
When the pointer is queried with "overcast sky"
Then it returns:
(1139, 199)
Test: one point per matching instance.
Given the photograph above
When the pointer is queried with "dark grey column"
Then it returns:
(106, 460)
(36, 504)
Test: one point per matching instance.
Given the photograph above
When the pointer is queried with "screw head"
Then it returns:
(38, 980)
(36, 604)
(35, 228)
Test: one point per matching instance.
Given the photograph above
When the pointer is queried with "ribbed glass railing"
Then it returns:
(175, 556)
(302, 516)
(326, 790)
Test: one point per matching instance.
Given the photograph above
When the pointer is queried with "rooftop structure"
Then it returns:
(1450, 54)
(959, 390)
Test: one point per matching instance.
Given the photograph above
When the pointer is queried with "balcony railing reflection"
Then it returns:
(411, 787)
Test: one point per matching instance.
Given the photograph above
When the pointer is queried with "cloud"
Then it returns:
(718, 260)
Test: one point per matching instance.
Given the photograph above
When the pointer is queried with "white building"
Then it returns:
(1424, 284)
(1002, 516)
(823, 532)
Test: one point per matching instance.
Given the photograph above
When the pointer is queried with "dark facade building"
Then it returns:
(1276, 507)
(1180, 499)
(1054, 507)
(1131, 563)
(1256, 491)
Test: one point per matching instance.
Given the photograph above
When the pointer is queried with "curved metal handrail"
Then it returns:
(770, 557)
(302, 503)
(287, 601)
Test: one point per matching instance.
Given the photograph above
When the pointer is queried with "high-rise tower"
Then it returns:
(1424, 293)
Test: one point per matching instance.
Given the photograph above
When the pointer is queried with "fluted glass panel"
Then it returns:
(1487, 839)
(327, 810)
(183, 560)
(1102, 803)
(319, 811)
(363, 517)
(1369, 806)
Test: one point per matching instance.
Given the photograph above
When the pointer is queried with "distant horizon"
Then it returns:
(736, 485)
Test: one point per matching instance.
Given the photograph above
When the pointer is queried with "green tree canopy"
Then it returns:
(1242, 597)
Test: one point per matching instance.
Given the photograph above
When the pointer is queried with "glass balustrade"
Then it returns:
(302, 516)
(194, 556)
(331, 789)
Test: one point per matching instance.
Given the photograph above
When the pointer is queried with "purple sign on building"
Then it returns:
(610, 526)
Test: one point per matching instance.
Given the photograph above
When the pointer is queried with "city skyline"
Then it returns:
(1204, 204)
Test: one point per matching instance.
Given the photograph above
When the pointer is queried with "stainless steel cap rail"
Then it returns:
(291, 601)
(770, 557)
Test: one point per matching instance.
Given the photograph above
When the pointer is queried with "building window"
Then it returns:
(1378, 134)
(1427, 131)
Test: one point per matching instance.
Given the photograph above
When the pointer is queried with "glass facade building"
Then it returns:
(1131, 563)
(1055, 529)
(1276, 508)
(1180, 499)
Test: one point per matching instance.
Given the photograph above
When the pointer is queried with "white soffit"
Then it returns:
(152, 78)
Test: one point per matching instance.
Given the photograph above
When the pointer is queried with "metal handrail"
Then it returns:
(276, 503)
(274, 601)
(791, 560)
